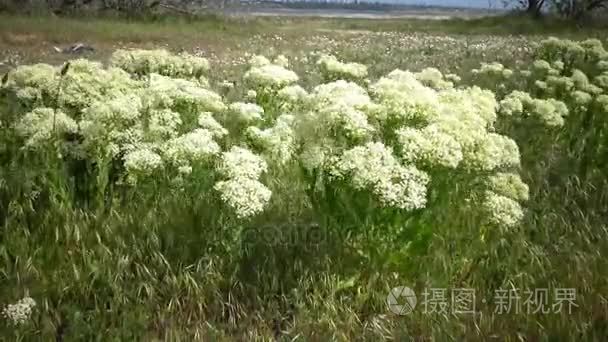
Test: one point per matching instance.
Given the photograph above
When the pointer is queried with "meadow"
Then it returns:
(275, 179)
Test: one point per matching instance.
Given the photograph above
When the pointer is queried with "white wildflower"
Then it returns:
(492, 152)
(258, 61)
(197, 145)
(453, 78)
(241, 163)
(313, 156)
(431, 146)
(373, 166)
(406, 189)
(433, 78)
(246, 111)
(335, 69)
(549, 112)
(166, 92)
(502, 211)
(185, 169)
(226, 85)
(292, 93)
(20, 312)
(142, 161)
(251, 94)
(474, 105)
(278, 141)
(270, 76)
(509, 185)
(511, 106)
(404, 97)
(37, 126)
(207, 121)
(282, 61)
(164, 123)
(247, 197)
(143, 62)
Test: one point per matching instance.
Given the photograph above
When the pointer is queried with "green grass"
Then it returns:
(155, 272)
(512, 24)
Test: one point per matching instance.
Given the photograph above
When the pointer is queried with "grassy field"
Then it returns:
(158, 263)
(31, 39)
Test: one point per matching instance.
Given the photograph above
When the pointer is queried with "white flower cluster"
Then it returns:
(181, 95)
(602, 80)
(571, 52)
(432, 77)
(456, 124)
(142, 161)
(83, 82)
(246, 112)
(293, 94)
(20, 312)
(282, 61)
(404, 97)
(315, 153)
(241, 163)
(333, 69)
(493, 69)
(550, 112)
(226, 85)
(408, 134)
(452, 78)
(270, 76)
(258, 61)
(495, 152)
(242, 191)
(247, 197)
(207, 121)
(195, 146)
(558, 74)
(340, 106)
(39, 126)
(112, 126)
(430, 129)
(373, 166)
(163, 123)
(147, 123)
(34, 83)
(509, 185)
(86, 82)
(277, 141)
(251, 95)
(474, 105)
(602, 103)
(502, 211)
(144, 62)
(430, 146)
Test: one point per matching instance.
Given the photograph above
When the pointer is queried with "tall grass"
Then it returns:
(105, 263)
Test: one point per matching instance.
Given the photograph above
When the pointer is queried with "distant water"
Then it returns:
(485, 4)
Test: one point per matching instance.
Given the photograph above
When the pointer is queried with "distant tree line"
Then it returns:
(73, 6)
(571, 9)
(130, 8)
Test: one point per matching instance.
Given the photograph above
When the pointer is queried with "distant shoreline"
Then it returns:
(409, 12)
